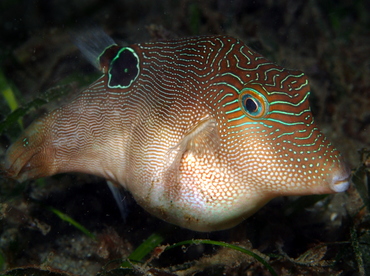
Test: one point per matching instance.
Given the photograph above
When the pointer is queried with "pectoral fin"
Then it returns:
(201, 141)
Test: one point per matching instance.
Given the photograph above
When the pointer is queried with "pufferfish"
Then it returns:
(203, 131)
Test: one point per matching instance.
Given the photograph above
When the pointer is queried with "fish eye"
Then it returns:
(253, 103)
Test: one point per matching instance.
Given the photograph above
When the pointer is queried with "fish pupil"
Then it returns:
(251, 106)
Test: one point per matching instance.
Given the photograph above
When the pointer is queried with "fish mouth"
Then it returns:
(340, 185)
(341, 181)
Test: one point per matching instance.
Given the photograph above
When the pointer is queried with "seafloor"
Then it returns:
(328, 40)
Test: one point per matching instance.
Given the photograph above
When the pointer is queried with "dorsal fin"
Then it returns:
(92, 42)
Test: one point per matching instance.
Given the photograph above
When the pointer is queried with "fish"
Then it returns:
(202, 131)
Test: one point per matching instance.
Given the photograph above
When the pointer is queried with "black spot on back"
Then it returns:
(123, 69)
